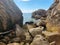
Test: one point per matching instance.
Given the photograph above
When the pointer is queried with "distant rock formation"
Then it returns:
(52, 6)
(9, 15)
(53, 20)
(41, 13)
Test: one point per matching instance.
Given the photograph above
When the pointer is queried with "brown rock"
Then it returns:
(8, 15)
(36, 31)
(53, 43)
(53, 20)
(39, 13)
(41, 22)
(13, 44)
(15, 40)
(20, 32)
(52, 37)
(39, 40)
(1, 43)
(52, 6)
(29, 25)
(28, 38)
(55, 38)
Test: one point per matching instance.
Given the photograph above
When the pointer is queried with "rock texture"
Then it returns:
(53, 20)
(52, 37)
(29, 25)
(36, 31)
(39, 40)
(45, 31)
(9, 15)
(52, 6)
(41, 13)
(13, 44)
(1, 43)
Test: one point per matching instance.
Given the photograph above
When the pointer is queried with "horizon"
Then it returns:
(29, 6)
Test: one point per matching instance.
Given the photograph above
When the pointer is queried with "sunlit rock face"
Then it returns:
(39, 40)
(41, 13)
(52, 6)
(53, 20)
(9, 15)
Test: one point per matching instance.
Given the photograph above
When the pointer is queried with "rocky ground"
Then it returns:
(46, 31)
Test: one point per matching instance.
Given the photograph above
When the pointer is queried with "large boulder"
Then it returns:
(36, 31)
(53, 20)
(55, 38)
(40, 22)
(9, 15)
(52, 37)
(41, 13)
(52, 6)
(39, 40)
(20, 32)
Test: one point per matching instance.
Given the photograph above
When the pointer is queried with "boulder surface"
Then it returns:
(39, 13)
(9, 15)
(53, 20)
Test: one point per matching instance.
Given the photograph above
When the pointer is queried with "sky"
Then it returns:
(28, 6)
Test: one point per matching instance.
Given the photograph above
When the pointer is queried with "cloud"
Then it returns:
(28, 11)
(25, 0)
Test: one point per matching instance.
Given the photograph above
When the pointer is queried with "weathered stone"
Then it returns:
(29, 25)
(8, 37)
(22, 43)
(48, 33)
(52, 6)
(27, 43)
(55, 38)
(36, 31)
(41, 23)
(41, 13)
(28, 38)
(15, 40)
(52, 37)
(39, 40)
(53, 43)
(20, 33)
(53, 20)
(1, 43)
(13, 44)
(8, 15)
